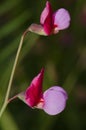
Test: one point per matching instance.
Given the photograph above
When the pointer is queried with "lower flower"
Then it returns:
(52, 101)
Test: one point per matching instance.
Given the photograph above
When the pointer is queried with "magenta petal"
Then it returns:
(33, 93)
(54, 100)
(44, 13)
(46, 19)
(62, 19)
(37, 81)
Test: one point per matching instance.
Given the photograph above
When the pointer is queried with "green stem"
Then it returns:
(12, 73)
(11, 99)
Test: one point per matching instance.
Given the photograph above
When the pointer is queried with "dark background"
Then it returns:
(63, 55)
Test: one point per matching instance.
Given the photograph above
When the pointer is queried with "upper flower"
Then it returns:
(52, 101)
(51, 22)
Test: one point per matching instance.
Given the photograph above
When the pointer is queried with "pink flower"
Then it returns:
(52, 101)
(51, 23)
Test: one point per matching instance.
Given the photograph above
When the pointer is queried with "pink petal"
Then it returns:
(62, 19)
(54, 100)
(45, 12)
(46, 19)
(34, 91)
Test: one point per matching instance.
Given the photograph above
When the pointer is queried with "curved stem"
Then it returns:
(12, 73)
(11, 99)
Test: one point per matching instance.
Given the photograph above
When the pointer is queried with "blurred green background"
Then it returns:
(63, 55)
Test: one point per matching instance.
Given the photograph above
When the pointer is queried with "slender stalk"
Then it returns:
(12, 73)
(11, 99)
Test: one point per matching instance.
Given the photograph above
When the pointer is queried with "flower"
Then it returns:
(51, 23)
(52, 101)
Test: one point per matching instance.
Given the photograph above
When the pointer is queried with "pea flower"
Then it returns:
(52, 101)
(51, 22)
